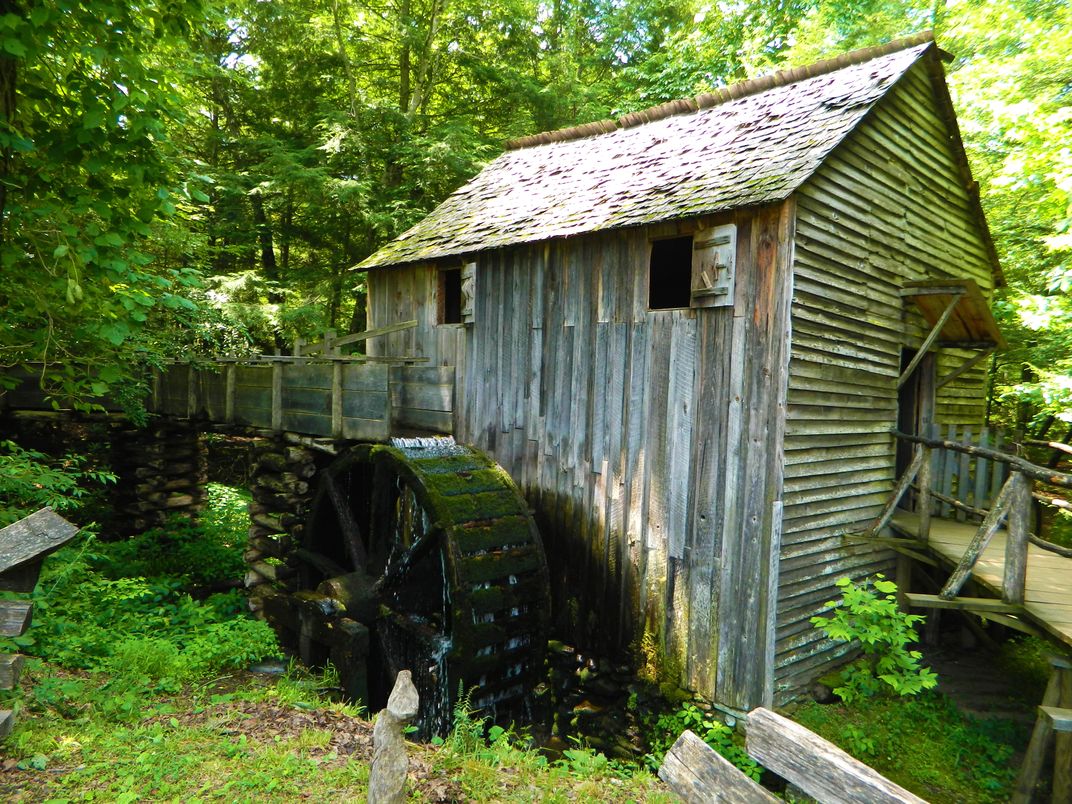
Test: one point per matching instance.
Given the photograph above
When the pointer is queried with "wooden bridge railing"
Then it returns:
(334, 398)
(317, 391)
(1009, 479)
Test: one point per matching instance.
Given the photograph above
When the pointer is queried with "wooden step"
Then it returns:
(10, 670)
(7, 722)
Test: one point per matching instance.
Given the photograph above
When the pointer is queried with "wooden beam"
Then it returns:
(7, 723)
(1015, 623)
(816, 766)
(937, 290)
(374, 333)
(697, 772)
(33, 537)
(1060, 719)
(905, 547)
(967, 365)
(932, 336)
(971, 604)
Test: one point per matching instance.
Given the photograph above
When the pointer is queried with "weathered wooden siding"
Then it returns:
(889, 206)
(647, 442)
(411, 294)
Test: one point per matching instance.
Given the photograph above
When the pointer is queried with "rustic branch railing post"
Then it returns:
(899, 491)
(980, 541)
(923, 498)
(1015, 580)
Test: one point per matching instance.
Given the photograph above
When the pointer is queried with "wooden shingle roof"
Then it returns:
(751, 143)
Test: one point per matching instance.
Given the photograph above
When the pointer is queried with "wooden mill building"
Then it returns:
(682, 334)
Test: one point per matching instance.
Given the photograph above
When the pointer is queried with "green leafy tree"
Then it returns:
(86, 173)
(868, 615)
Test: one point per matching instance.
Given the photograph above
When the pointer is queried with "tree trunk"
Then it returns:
(268, 264)
(344, 57)
(8, 79)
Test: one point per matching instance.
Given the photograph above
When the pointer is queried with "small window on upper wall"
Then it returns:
(450, 296)
(670, 273)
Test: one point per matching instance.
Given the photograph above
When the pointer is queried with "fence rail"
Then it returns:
(956, 479)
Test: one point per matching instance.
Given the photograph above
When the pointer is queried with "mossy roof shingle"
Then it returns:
(761, 141)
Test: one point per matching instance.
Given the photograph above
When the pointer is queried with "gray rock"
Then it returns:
(390, 766)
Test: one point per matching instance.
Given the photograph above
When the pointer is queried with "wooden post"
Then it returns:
(155, 403)
(191, 392)
(1015, 581)
(923, 500)
(336, 399)
(1062, 775)
(1059, 686)
(229, 373)
(277, 395)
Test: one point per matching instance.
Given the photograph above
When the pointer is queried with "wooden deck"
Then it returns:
(1049, 576)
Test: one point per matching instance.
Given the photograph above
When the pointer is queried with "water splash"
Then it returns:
(428, 446)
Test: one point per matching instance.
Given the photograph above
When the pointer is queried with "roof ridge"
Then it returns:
(740, 89)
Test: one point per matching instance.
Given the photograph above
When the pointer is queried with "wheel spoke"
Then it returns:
(350, 529)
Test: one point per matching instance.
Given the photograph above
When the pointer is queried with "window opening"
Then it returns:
(450, 295)
(670, 273)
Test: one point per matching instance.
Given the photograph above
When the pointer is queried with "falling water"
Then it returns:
(428, 446)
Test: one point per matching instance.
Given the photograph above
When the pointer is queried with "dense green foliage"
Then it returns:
(663, 730)
(201, 174)
(123, 607)
(30, 480)
(868, 615)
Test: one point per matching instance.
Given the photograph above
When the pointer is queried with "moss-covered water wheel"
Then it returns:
(431, 546)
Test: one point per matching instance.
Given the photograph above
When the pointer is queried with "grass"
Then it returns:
(924, 744)
(256, 738)
(138, 692)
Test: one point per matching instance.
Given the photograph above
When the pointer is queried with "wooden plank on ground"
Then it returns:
(10, 670)
(698, 773)
(816, 766)
(14, 617)
(7, 723)
(33, 537)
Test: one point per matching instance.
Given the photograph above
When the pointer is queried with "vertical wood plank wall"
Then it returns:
(887, 207)
(647, 442)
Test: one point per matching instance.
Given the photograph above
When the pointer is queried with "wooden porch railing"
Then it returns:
(964, 479)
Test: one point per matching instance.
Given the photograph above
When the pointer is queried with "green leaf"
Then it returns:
(61, 251)
(115, 333)
(15, 47)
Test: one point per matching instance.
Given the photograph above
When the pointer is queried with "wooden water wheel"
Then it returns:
(434, 550)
